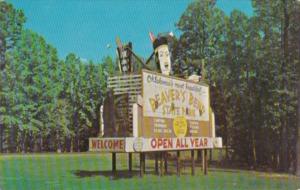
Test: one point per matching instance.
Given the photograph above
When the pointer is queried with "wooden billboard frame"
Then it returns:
(161, 155)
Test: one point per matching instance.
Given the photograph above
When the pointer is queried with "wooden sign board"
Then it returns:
(174, 107)
(107, 144)
(140, 144)
(169, 144)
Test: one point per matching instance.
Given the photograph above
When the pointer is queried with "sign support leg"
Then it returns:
(130, 162)
(166, 162)
(156, 163)
(193, 161)
(114, 162)
(200, 157)
(204, 161)
(142, 164)
(161, 171)
(178, 163)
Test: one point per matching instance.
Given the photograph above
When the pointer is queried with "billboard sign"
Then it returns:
(174, 107)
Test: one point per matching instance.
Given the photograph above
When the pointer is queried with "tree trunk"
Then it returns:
(226, 142)
(1, 137)
(41, 143)
(298, 136)
(71, 145)
(283, 152)
(12, 139)
(23, 142)
(58, 149)
(78, 143)
(284, 128)
(35, 144)
(254, 164)
(68, 144)
(2, 67)
(31, 142)
(76, 128)
(2, 52)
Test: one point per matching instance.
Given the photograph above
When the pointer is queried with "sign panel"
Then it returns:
(174, 107)
(107, 144)
(169, 144)
(139, 144)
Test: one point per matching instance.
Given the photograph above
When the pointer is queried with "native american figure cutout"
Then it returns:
(124, 56)
(162, 53)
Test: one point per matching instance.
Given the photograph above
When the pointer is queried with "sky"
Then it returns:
(86, 27)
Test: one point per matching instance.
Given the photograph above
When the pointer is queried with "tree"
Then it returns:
(203, 37)
(295, 46)
(202, 25)
(33, 63)
(298, 134)
(11, 22)
(251, 62)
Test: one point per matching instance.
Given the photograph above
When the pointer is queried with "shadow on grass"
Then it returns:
(225, 170)
(119, 174)
(125, 174)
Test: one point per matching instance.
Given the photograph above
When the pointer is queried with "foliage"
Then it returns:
(47, 104)
(251, 65)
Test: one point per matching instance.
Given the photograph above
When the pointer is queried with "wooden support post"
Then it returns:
(130, 162)
(142, 164)
(193, 161)
(166, 162)
(178, 163)
(210, 155)
(156, 163)
(204, 161)
(114, 162)
(199, 156)
(161, 170)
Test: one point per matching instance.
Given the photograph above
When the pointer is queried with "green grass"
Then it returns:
(92, 171)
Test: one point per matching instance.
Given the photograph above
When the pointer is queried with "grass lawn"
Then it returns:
(92, 171)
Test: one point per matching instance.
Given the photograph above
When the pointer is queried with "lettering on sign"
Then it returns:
(107, 144)
(140, 144)
(174, 107)
(185, 143)
(167, 97)
(166, 143)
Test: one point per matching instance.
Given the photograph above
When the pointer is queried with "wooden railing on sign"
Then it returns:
(130, 85)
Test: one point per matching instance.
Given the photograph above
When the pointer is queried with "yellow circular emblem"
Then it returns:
(180, 126)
